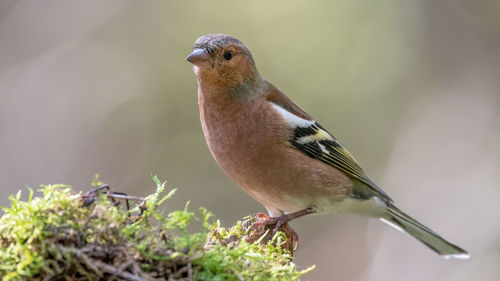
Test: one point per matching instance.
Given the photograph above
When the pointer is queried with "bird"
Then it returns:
(278, 154)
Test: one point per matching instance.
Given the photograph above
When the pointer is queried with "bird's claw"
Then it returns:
(263, 223)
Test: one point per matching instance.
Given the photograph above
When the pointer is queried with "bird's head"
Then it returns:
(222, 60)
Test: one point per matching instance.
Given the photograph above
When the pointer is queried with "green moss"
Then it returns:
(68, 235)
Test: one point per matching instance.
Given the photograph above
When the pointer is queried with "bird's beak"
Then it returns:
(198, 56)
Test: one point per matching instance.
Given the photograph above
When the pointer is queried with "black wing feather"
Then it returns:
(317, 143)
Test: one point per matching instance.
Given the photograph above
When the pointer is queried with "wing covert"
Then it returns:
(317, 143)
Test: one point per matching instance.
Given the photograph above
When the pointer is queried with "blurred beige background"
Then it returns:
(412, 88)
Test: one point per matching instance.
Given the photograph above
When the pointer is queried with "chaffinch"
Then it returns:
(278, 154)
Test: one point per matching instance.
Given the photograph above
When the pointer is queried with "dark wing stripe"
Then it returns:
(312, 151)
(313, 139)
(302, 132)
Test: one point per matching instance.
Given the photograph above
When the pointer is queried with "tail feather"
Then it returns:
(405, 223)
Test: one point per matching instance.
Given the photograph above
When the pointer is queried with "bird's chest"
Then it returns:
(241, 138)
(233, 134)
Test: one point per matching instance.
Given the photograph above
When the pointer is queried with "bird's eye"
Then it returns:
(228, 55)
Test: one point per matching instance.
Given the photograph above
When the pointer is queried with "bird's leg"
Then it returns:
(285, 218)
(89, 196)
(279, 221)
(263, 220)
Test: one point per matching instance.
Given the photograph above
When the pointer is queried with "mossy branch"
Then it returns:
(68, 235)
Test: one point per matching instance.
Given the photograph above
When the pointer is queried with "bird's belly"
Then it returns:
(281, 179)
(373, 207)
(322, 203)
